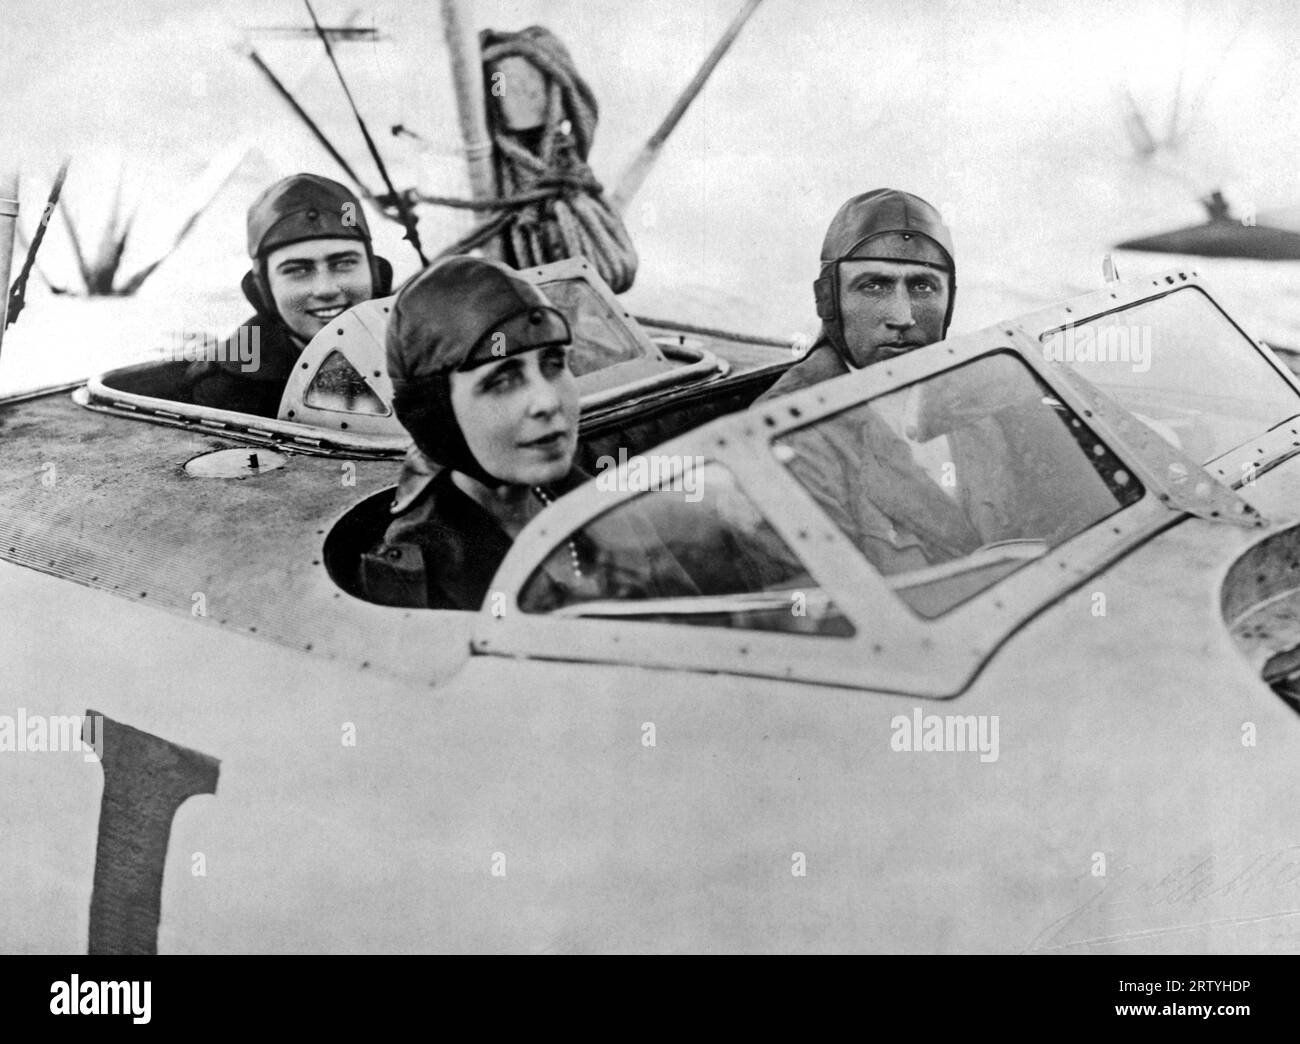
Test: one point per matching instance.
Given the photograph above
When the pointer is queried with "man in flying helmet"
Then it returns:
(312, 259)
(886, 286)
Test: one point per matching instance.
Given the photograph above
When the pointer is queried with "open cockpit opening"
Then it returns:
(1260, 602)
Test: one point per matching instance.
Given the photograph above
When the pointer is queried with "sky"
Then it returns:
(1008, 116)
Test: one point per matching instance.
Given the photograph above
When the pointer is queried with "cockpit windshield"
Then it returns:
(945, 487)
(600, 337)
(950, 484)
(692, 549)
(1183, 368)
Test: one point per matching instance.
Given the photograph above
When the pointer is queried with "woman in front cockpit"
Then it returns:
(479, 362)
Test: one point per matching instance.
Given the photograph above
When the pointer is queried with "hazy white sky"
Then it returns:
(1010, 116)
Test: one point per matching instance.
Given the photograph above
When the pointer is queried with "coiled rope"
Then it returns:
(550, 206)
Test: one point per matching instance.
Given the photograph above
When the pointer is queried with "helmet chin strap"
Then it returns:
(834, 331)
(423, 406)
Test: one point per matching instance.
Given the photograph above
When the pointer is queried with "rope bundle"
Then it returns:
(553, 205)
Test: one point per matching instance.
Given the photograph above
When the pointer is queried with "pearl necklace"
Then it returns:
(547, 500)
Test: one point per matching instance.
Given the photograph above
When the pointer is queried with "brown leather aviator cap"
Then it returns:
(466, 311)
(890, 225)
(301, 207)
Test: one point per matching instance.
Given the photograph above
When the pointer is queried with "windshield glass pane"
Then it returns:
(600, 337)
(1182, 368)
(338, 387)
(951, 484)
(693, 549)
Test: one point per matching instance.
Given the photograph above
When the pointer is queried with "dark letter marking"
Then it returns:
(145, 781)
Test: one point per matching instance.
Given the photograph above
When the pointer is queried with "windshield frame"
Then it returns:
(658, 371)
(893, 650)
(1266, 449)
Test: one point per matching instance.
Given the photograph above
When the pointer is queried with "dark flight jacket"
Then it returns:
(443, 550)
(224, 384)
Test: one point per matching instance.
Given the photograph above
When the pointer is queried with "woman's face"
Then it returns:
(520, 415)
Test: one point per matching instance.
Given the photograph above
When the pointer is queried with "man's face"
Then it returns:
(890, 307)
(519, 416)
(316, 281)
